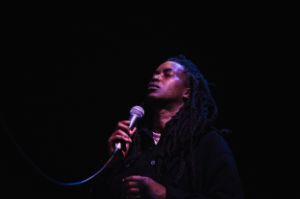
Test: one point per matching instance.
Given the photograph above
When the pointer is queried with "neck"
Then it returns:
(164, 114)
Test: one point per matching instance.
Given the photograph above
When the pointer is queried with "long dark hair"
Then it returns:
(191, 121)
(197, 114)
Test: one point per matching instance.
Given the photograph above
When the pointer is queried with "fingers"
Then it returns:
(118, 136)
(122, 131)
(135, 179)
(129, 184)
(124, 126)
(133, 189)
(138, 181)
(131, 132)
(144, 186)
(121, 134)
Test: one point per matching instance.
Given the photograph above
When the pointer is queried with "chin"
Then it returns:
(153, 96)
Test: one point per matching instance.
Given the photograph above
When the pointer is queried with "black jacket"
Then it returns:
(215, 176)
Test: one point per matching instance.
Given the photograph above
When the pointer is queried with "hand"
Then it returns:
(137, 186)
(121, 134)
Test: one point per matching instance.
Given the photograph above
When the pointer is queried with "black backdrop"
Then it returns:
(68, 82)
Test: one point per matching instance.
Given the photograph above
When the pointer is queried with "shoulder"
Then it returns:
(213, 152)
(214, 143)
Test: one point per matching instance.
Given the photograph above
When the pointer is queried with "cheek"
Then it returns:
(173, 91)
(177, 86)
(173, 85)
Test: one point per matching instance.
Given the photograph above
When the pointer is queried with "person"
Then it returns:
(175, 151)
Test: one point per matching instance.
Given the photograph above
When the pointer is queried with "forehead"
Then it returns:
(174, 66)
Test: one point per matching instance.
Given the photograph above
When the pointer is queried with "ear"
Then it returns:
(186, 93)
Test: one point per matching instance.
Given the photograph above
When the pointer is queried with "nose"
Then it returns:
(156, 77)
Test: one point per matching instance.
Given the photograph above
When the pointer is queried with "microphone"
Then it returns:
(136, 113)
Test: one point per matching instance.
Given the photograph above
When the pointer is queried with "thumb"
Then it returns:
(133, 131)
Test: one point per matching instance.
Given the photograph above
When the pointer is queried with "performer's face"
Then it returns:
(169, 82)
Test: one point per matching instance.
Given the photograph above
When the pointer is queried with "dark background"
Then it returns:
(67, 83)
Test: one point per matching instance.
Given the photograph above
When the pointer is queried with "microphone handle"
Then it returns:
(133, 118)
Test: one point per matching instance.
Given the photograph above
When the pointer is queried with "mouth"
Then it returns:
(153, 86)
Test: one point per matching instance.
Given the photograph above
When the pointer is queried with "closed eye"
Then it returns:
(168, 72)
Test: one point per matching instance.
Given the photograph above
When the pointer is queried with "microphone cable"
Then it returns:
(42, 173)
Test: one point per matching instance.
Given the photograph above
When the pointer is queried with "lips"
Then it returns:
(153, 86)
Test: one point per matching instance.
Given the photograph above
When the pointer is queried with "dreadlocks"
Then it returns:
(198, 112)
(191, 121)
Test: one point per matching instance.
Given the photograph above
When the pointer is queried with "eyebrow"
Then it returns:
(166, 70)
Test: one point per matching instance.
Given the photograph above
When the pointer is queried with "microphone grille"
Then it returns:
(137, 110)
